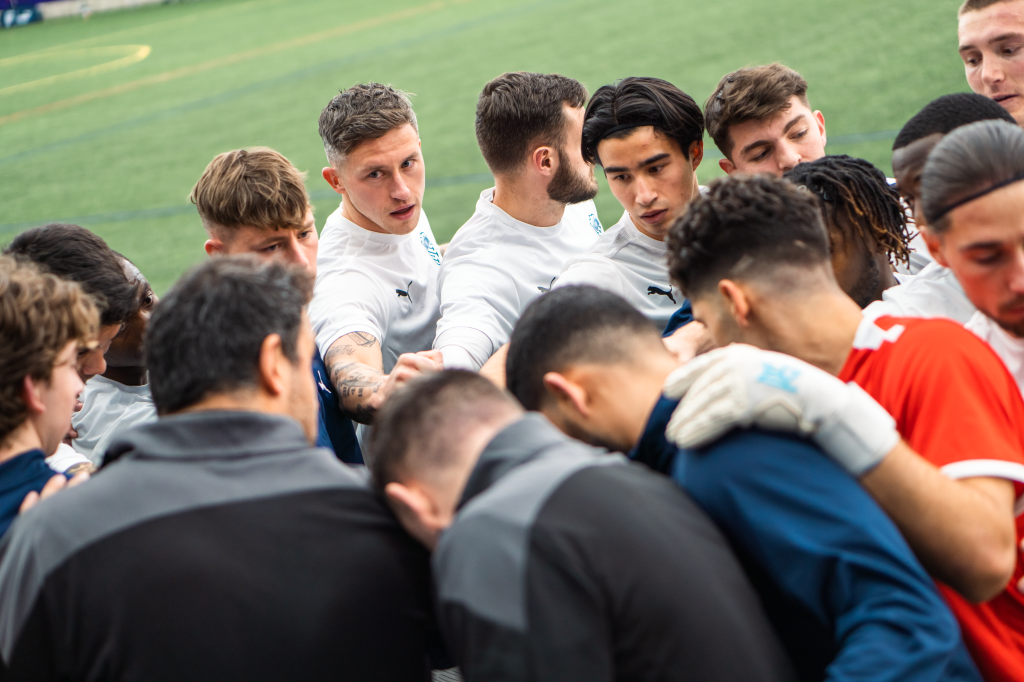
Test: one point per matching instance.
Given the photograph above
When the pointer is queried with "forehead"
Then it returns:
(998, 216)
(641, 144)
(912, 157)
(770, 127)
(395, 145)
(976, 28)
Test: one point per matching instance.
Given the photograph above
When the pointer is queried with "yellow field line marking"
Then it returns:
(219, 62)
(138, 53)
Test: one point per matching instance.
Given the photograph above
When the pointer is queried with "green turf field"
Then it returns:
(110, 121)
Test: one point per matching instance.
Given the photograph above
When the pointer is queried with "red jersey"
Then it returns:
(955, 404)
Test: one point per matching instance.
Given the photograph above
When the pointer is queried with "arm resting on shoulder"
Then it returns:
(355, 365)
(962, 531)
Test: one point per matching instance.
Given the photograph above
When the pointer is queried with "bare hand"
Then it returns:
(408, 367)
(52, 487)
(689, 341)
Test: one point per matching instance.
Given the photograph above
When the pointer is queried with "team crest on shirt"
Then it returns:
(596, 224)
(430, 248)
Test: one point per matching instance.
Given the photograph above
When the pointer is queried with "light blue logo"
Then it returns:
(781, 378)
(596, 224)
(431, 249)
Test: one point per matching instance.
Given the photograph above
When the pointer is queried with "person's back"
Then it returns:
(561, 561)
(218, 543)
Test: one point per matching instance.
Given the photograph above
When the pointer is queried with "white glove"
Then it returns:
(743, 386)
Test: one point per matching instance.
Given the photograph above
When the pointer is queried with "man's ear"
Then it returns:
(417, 513)
(697, 153)
(820, 118)
(331, 176)
(273, 375)
(32, 396)
(934, 245)
(736, 300)
(728, 166)
(214, 247)
(567, 394)
(544, 160)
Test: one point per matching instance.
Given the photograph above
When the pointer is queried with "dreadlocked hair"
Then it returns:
(859, 191)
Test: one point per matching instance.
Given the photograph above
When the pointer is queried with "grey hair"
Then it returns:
(967, 163)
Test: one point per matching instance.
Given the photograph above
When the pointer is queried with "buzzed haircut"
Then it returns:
(74, 253)
(519, 111)
(254, 187)
(755, 93)
(367, 111)
(967, 164)
(205, 335)
(943, 115)
(615, 111)
(417, 431)
(975, 5)
(39, 314)
(861, 194)
(569, 326)
(745, 226)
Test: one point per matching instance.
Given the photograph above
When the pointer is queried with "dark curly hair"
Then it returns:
(861, 193)
(745, 226)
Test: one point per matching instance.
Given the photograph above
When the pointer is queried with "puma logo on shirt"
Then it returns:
(546, 289)
(651, 291)
(404, 293)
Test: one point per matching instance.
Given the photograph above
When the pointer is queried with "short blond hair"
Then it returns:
(255, 187)
(39, 314)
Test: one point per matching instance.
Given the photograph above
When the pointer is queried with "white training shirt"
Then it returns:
(494, 267)
(1009, 348)
(109, 408)
(627, 262)
(933, 292)
(384, 285)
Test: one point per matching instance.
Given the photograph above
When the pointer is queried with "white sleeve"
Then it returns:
(597, 273)
(479, 308)
(344, 303)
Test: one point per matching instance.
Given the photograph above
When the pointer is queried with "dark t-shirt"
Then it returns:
(18, 477)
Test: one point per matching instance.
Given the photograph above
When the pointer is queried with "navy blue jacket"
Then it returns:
(680, 318)
(336, 430)
(18, 477)
(844, 591)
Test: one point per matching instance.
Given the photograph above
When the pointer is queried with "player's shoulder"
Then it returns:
(585, 213)
(932, 335)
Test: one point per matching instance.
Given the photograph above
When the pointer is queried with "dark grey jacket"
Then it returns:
(565, 563)
(219, 546)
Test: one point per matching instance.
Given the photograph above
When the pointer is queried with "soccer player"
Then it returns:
(74, 253)
(761, 121)
(218, 544)
(537, 217)
(935, 291)
(803, 528)
(867, 225)
(991, 34)
(44, 321)
(376, 303)
(558, 561)
(763, 276)
(647, 135)
(972, 193)
(119, 398)
(254, 201)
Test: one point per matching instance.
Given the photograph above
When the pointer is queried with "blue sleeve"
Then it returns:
(680, 318)
(831, 552)
(336, 431)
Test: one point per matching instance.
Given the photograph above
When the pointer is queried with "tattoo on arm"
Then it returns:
(355, 382)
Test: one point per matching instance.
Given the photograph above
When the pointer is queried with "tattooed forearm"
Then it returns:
(356, 384)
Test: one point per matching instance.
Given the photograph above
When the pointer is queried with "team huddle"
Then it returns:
(769, 429)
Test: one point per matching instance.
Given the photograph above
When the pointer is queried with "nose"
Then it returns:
(400, 189)
(787, 157)
(1016, 281)
(93, 363)
(991, 72)
(295, 253)
(646, 194)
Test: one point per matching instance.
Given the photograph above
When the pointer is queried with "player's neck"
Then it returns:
(20, 440)
(527, 202)
(819, 330)
(887, 279)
